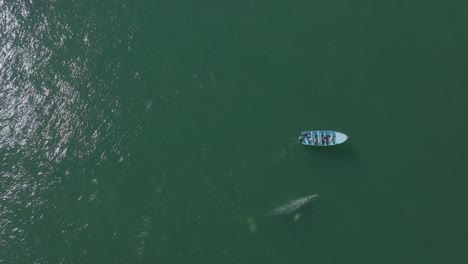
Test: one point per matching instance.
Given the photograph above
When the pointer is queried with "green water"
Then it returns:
(164, 131)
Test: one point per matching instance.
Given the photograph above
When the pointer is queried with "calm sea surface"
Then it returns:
(164, 131)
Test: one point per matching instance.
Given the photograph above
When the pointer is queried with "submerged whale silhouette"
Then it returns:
(294, 207)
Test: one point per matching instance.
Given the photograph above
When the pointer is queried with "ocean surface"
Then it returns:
(165, 131)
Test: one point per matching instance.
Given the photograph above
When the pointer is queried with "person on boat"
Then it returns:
(331, 140)
(323, 139)
(316, 140)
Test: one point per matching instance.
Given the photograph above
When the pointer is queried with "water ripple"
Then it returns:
(59, 104)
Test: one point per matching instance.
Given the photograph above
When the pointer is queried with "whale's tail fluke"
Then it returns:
(251, 223)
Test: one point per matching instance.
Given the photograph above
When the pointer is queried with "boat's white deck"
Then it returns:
(322, 138)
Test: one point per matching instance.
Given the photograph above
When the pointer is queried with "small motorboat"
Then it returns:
(322, 138)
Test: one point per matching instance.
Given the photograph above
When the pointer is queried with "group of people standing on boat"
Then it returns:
(316, 139)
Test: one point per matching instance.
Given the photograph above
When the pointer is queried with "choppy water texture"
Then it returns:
(163, 131)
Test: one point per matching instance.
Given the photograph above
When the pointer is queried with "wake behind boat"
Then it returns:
(322, 138)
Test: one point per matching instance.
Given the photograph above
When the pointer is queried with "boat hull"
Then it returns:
(322, 138)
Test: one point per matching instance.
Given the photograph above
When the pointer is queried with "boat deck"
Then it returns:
(322, 138)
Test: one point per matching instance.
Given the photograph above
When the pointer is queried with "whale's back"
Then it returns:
(295, 205)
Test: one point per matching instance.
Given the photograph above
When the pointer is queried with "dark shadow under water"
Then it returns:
(344, 151)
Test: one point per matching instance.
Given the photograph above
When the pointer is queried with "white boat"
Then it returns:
(322, 138)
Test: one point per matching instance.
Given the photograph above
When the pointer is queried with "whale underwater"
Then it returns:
(293, 208)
